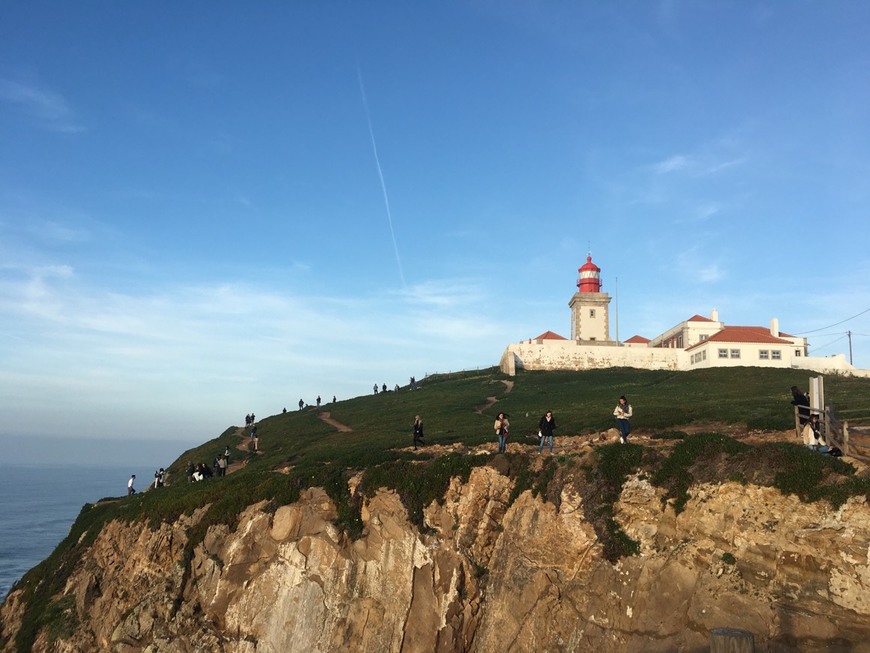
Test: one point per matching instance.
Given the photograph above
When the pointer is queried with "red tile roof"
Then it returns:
(699, 318)
(748, 334)
(549, 335)
(638, 339)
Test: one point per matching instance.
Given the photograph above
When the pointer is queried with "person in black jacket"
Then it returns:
(802, 401)
(418, 431)
(545, 430)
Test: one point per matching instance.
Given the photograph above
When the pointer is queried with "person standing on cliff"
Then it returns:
(130, 489)
(546, 427)
(623, 413)
(801, 400)
(418, 431)
(502, 430)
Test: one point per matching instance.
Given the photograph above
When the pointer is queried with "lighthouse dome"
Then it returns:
(590, 277)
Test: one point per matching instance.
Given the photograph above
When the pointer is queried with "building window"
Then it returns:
(763, 354)
(723, 353)
(704, 355)
(776, 354)
(704, 336)
(797, 353)
(591, 312)
(735, 353)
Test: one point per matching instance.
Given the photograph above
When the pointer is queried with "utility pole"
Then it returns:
(616, 297)
(849, 333)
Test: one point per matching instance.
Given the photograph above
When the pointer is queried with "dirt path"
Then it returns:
(243, 443)
(508, 386)
(482, 407)
(344, 428)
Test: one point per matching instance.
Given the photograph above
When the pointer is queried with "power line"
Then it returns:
(828, 344)
(867, 310)
(832, 333)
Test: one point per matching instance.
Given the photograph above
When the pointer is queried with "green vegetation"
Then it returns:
(419, 484)
(675, 472)
(614, 463)
(300, 450)
(669, 435)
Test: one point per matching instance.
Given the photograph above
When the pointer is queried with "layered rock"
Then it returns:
(484, 575)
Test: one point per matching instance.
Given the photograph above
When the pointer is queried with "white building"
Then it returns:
(698, 342)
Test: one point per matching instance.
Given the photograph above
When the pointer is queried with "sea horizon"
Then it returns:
(39, 502)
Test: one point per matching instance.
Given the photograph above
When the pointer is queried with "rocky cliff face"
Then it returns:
(485, 575)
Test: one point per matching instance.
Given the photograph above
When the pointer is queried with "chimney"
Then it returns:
(714, 315)
(774, 327)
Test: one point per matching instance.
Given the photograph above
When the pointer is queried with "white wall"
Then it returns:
(569, 355)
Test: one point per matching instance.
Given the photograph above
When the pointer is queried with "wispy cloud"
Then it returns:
(49, 108)
(443, 293)
(696, 165)
(178, 335)
(49, 230)
(708, 210)
(700, 266)
(673, 163)
(716, 168)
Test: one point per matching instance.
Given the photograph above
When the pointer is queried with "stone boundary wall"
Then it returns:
(576, 355)
(572, 355)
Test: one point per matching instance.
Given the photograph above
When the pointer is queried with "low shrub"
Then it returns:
(675, 472)
(604, 481)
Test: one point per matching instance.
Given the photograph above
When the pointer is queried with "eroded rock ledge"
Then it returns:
(486, 575)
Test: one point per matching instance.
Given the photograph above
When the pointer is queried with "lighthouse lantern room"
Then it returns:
(589, 306)
(590, 276)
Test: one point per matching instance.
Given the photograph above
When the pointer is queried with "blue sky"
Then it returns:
(208, 209)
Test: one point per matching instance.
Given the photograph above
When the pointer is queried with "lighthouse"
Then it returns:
(590, 320)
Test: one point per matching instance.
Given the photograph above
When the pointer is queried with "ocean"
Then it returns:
(39, 503)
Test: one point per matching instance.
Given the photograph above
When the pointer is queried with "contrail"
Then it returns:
(362, 91)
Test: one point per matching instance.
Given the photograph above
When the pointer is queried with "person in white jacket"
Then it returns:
(812, 435)
(622, 413)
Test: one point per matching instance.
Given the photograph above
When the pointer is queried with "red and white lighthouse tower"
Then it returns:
(589, 306)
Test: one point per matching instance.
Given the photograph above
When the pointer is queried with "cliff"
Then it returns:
(488, 571)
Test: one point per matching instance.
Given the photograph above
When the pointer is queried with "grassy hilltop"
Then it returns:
(750, 398)
(299, 449)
